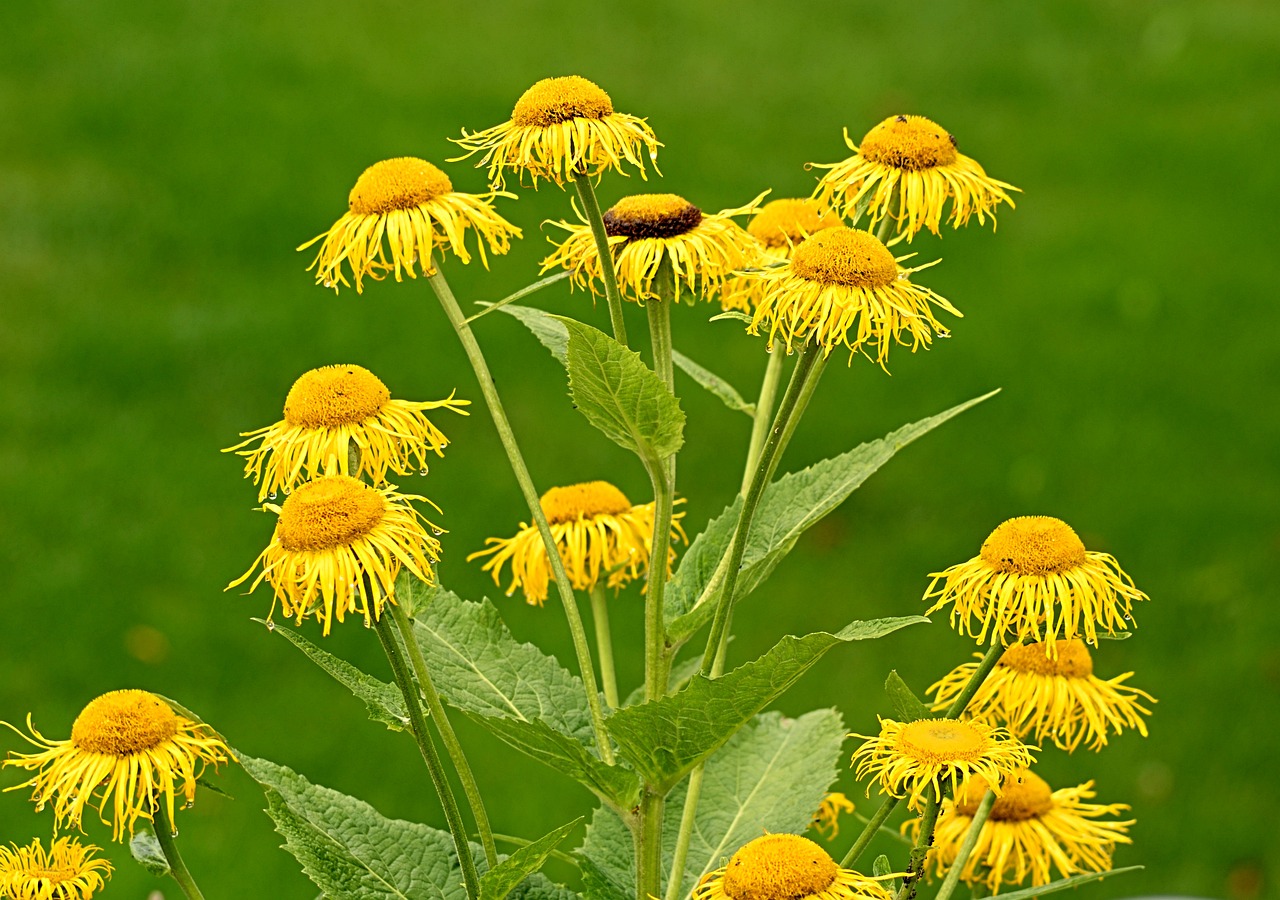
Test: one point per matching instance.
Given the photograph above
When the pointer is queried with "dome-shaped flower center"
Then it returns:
(401, 183)
(781, 223)
(335, 395)
(1073, 660)
(651, 216)
(845, 256)
(942, 741)
(555, 100)
(124, 722)
(590, 498)
(909, 142)
(329, 512)
(779, 867)
(1033, 545)
(1023, 795)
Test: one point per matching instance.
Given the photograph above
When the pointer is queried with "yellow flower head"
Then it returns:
(910, 758)
(338, 547)
(704, 249)
(1056, 697)
(412, 205)
(599, 533)
(329, 409)
(915, 160)
(1030, 831)
(562, 127)
(786, 867)
(1033, 580)
(68, 871)
(843, 287)
(779, 226)
(826, 821)
(128, 746)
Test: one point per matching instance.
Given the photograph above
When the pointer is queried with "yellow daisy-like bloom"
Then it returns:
(826, 821)
(908, 758)
(786, 867)
(412, 205)
(779, 226)
(843, 287)
(130, 747)
(329, 409)
(918, 159)
(1033, 580)
(704, 249)
(1055, 697)
(68, 871)
(562, 127)
(599, 533)
(338, 547)
(1030, 831)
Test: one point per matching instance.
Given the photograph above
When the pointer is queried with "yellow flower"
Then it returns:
(326, 411)
(1034, 581)
(779, 226)
(338, 547)
(562, 127)
(599, 533)
(908, 758)
(413, 205)
(1055, 697)
(1030, 831)
(67, 872)
(826, 821)
(704, 249)
(917, 159)
(786, 867)
(843, 287)
(129, 746)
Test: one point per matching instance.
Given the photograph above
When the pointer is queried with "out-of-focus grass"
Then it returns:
(161, 160)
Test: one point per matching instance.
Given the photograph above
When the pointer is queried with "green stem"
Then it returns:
(803, 381)
(418, 722)
(915, 862)
(764, 414)
(583, 650)
(649, 848)
(975, 681)
(166, 834)
(451, 744)
(662, 474)
(970, 840)
(882, 233)
(604, 644)
(591, 209)
(874, 824)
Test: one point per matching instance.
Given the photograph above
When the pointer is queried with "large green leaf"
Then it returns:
(502, 879)
(714, 383)
(351, 851)
(665, 738)
(621, 396)
(383, 701)
(788, 507)
(548, 329)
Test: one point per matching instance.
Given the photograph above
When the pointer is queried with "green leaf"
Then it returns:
(351, 851)
(788, 507)
(382, 700)
(621, 396)
(713, 383)
(148, 853)
(539, 887)
(881, 866)
(732, 314)
(665, 738)
(502, 879)
(907, 707)
(548, 329)
(1115, 636)
(519, 295)
(1061, 885)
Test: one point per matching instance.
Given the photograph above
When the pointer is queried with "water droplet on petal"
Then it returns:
(173, 833)
(422, 471)
(271, 625)
(437, 531)
(271, 496)
(653, 155)
(288, 491)
(368, 623)
(328, 283)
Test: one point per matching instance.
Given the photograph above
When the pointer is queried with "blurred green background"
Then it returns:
(160, 160)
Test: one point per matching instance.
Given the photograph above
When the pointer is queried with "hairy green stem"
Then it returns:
(975, 681)
(604, 644)
(874, 824)
(649, 846)
(166, 834)
(970, 840)
(418, 722)
(764, 414)
(583, 650)
(452, 745)
(591, 209)
(662, 474)
(915, 862)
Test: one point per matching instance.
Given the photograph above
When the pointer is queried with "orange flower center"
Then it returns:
(1073, 660)
(781, 223)
(909, 142)
(124, 722)
(335, 395)
(1024, 795)
(942, 741)
(651, 216)
(555, 100)
(779, 867)
(329, 512)
(1033, 545)
(845, 256)
(393, 184)
(585, 500)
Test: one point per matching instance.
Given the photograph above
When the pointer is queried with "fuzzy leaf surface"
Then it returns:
(147, 852)
(548, 329)
(907, 707)
(722, 389)
(502, 879)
